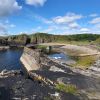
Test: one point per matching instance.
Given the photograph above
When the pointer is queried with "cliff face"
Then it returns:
(31, 59)
(18, 40)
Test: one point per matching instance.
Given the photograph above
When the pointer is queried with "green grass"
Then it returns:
(41, 47)
(67, 88)
(80, 42)
(75, 42)
(84, 62)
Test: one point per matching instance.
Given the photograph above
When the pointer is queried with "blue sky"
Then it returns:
(50, 16)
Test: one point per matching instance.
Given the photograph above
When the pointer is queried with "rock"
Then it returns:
(95, 66)
(56, 69)
(55, 96)
(5, 73)
(15, 98)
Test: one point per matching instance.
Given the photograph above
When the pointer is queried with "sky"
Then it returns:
(49, 16)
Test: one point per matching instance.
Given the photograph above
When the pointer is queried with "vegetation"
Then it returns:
(68, 88)
(97, 41)
(42, 47)
(44, 37)
(84, 62)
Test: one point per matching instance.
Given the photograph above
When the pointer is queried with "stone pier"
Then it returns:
(31, 59)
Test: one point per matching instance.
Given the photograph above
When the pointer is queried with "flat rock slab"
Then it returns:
(85, 50)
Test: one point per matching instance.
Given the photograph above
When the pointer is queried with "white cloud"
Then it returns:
(61, 22)
(12, 25)
(74, 25)
(97, 26)
(4, 27)
(8, 7)
(68, 18)
(93, 15)
(95, 20)
(84, 30)
(68, 24)
(36, 2)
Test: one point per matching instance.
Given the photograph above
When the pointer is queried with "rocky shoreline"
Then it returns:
(15, 86)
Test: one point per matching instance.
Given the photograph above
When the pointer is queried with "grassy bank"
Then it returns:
(67, 88)
(84, 62)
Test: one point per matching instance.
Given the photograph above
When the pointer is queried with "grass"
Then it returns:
(84, 62)
(41, 47)
(47, 98)
(74, 42)
(67, 88)
(80, 42)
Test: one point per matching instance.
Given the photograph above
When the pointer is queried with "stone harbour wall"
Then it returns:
(31, 59)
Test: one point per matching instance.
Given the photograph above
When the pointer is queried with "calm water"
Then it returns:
(10, 59)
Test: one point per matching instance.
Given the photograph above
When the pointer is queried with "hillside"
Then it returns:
(45, 38)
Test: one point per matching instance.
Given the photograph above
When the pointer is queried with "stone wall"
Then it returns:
(31, 59)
